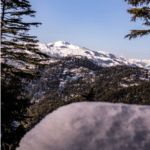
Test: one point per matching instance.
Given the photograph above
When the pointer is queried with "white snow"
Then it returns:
(15, 125)
(77, 74)
(127, 85)
(74, 78)
(62, 49)
(62, 84)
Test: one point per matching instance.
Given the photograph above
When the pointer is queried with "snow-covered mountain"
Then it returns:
(61, 49)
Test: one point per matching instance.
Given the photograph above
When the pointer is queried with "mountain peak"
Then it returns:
(62, 49)
(61, 43)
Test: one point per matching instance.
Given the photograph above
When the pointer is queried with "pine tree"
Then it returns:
(15, 39)
(90, 95)
(142, 13)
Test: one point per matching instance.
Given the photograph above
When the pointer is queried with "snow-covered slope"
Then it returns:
(61, 49)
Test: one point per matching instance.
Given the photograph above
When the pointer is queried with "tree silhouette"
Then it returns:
(142, 13)
(90, 95)
(15, 65)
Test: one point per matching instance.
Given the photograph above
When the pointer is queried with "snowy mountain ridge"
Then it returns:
(62, 49)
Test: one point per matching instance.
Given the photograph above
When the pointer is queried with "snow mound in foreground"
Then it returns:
(92, 125)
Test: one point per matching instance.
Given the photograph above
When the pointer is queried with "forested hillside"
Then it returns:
(73, 79)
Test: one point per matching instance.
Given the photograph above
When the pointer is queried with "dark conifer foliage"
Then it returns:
(142, 13)
(89, 96)
(15, 39)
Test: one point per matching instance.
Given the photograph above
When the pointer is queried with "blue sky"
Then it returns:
(94, 24)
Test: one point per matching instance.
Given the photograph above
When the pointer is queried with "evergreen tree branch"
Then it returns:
(136, 33)
(142, 13)
(137, 2)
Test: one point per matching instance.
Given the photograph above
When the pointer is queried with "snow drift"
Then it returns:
(92, 125)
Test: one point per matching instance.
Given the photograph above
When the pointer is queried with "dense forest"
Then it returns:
(71, 79)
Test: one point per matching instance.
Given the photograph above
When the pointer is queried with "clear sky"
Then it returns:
(94, 24)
